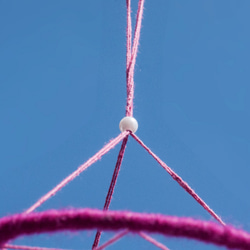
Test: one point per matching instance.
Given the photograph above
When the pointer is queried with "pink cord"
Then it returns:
(131, 63)
(17, 225)
(7, 246)
(177, 178)
(80, 169)
(112, 240)
(112, 186)
(153, 241)
(130, 81)
(129, 34)
(120, 235)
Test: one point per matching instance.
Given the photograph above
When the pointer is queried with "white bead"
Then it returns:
(128, 123)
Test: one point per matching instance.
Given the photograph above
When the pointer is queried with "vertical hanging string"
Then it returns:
(128, 60)
(130, 65)
(133, 54)
(129, 34)
(112, 186)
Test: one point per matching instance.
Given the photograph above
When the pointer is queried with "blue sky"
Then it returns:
(63, 93)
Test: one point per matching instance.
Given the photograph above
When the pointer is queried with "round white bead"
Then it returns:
(128, 123)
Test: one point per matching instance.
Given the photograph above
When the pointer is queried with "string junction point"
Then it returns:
(128, 123)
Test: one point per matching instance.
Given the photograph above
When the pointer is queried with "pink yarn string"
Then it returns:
(115, 174)
(153, 241)
(137, 31)
(112, 186)
(7, 246)
(112, 240)
(17, 225)
(131, 64)
(179, 180)
(129, 80)
(129, 34)
(80, 169)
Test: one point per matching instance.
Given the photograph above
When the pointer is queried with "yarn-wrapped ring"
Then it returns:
(49, 221)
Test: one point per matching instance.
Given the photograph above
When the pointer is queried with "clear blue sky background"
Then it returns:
(62, 95)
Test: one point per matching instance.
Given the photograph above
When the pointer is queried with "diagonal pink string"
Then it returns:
(7, 246)
(112, 186)
(153, 241)
(177, 178)
(131, 64)
(116, 172)
(80, 169)
(112, 240)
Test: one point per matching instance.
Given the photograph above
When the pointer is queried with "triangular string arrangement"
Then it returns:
(130, 67)
(131, 55)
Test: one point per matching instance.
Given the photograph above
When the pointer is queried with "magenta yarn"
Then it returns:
(112, 186)
(17, 225)
(132, 53)
(179, 180)
(79, 170)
